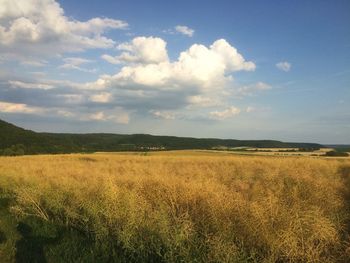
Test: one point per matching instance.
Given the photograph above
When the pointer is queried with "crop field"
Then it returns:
(174, 207)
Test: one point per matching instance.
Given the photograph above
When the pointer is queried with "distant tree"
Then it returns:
(20, 152)
(14, 150)
(18, 149)
(8, 152)
(307, 149)
(336, 154)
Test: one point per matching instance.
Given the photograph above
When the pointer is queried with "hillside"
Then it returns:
(18, 139)
(340, 147)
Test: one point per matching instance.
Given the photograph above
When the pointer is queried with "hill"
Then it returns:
(343, 148)
(14, 139)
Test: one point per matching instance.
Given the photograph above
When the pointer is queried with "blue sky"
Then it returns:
(229, 69)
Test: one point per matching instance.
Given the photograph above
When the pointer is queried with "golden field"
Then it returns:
(174, 207)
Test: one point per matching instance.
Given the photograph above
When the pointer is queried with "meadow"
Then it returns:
(180, 206)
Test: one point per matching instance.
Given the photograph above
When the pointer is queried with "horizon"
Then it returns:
(244, 71)
(170, 135)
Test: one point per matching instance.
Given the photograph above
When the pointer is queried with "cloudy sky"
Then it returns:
(227, 69)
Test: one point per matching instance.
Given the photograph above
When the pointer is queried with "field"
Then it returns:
(283, 151)
(174, 207)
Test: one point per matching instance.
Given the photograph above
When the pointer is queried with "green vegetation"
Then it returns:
(14, 150)
(340, 147)
(336, 154)
(32, 143)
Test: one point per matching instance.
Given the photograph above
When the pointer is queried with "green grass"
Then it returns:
(8, 232)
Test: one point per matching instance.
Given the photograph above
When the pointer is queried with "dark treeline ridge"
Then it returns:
(17, 141)
(342, 148)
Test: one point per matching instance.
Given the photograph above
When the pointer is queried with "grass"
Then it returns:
(174, 207)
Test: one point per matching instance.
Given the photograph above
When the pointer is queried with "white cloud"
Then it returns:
(119, 117)
(65, 113)
(251, 89)
(47, 84)
(227, 113)
(202, 101)
(144, 50)
(201, 76)
(25, 85)
(103, 97)
(185, 30)
(168, 31)
(262, 86)
(163, 114)
(250, 109)
(284, 66)
(34, 63)
(98, 116)
(54, 83)
(232, 59)
(72, 98)
(110, 59)
(19, 108)
(199, 66)
(122, 118)
(40, 27)
(69, 66)
(75, 62)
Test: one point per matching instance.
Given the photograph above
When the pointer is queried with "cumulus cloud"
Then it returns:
(120, 117)
(47, 84)
(98, 116)
(57, 84)
(18, 108)
(199, 66)
(227, 113)
(75, 62)
(72, 98)
(40, 27)
(251, 89)
(23, 108)
(34, 63)
(144, 50)
(103, 97)
(65, 113)
(200, 77)
(148, 83)
(25, 85)
(185, 30)
(163, 114)
(111, 59)
(202, 101)
(284, 66)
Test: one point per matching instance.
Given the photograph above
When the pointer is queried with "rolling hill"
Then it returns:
(16, 139)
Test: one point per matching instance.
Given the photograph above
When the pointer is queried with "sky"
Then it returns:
(226, 69)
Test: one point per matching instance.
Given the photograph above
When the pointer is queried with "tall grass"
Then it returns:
(194, 208)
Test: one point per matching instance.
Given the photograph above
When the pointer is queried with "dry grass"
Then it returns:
(188, 207)
(285, 152)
